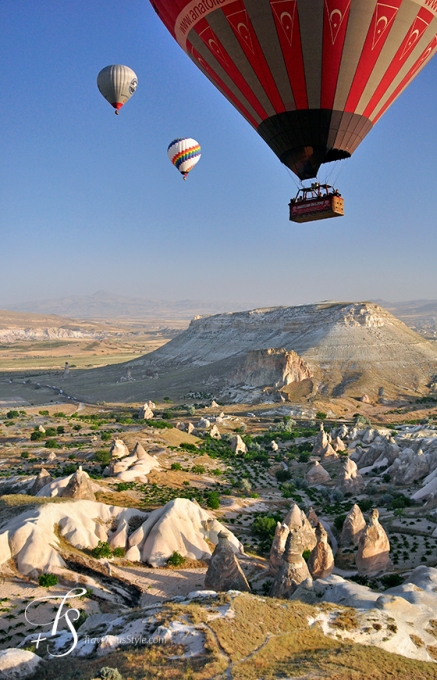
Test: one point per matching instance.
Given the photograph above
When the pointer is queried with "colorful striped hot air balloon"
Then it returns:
(117, 84)
(312, 76)
(184, 153)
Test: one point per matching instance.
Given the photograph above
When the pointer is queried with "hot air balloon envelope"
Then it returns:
(117, 84)
(311, 76)
(184, 153)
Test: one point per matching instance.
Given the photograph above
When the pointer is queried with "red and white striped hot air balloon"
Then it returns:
(312, 76)
(117, 83)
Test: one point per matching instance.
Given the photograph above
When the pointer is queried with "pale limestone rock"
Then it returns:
(40, 482)
(293, 569)
(296, 519)
(317, 475)
(274, 446)
(79, 486)
(369, 435)
(312, 518)
(51, 456)
(353, 527)
(411, 467)
(224, 572)
(41, 429)
(278, 547)
(190, 428)
(238, 445)
(203, 424)
(214, 404)
(181, 526)
(350, 479)
(322, 446)
(145, 412)
(18, 663)
(118, 449)
(119, 538)
(215, 432)
(139, 451)
(321, 560)
(373, 548)
(338, 444)
(365, 399)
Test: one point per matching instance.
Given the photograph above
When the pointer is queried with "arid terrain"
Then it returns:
(258, 501)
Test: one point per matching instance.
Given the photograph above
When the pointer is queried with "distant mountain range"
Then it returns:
(104, 305)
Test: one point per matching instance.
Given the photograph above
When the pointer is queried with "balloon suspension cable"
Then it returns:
(185, 174)
(298, 184)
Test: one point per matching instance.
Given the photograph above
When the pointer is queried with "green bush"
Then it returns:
(25, 454)
(47, 580)
(119, 552)
(12, 414)
(264, 527)
(102, 549)
(320, 415)
(43, 413)
(283, 475)
(107, 673)
(365, 505)
(105, 436)
(213, 500)
(339, 521)
(176, 466)
(51, 444)
(50, 432)
(306, 555)
(198, 469)
(77, 427)
(36, 436)
(60, 429)
(159, 424)
(185, 446)
(392, 580)
(69, 469)
(102, 456)
(176, 559)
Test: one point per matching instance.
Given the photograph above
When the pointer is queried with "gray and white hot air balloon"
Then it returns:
(117, 83)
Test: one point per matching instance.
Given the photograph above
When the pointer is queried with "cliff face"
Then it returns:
(271, 367)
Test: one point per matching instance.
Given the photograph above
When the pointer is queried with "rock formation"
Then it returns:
(79, 487)
(322, 446)
(353, 527)
(41, 429)
(215, 432)
(312, 518)
(40, 482)
(338, 444)
(181, 526)
(274, 446)
(135, 467)
(321, 560)
(190, 428)
(16, 664)
(350, 479)
(297, 521)
(317, 475)
(373, 548)
(238, 445)
(275, 367)
(365, 399)
(118, 449)
(203, 424)
(145, 412)
(293, 569)
(224, 572)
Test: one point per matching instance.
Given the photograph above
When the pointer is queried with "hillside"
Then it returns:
(338, 349)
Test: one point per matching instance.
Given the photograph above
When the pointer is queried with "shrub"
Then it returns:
(105, 436)
(365, 505)
(107, 673)
(306, 555)
(50, 431)
(12, 414)
(69, 469)
(51, 444)
(119, 552)
(175, 559)
(36, 436)
(283, 475)
(102, 456)
(320, 415)
(198, 469)
(213, 500)
(185, 446)
(60, 429)
(47, 580)
(159, 424)
(77, 427)
(102, 549)
(339, 521)
(43, 413)
(392, 580)
(264, 527)
(59, 414)
(25, 454)
(176, 466)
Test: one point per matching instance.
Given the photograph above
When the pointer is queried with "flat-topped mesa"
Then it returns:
(293, 569)
(321, 560)
(373, 548)
(224, 572)
(353, 527)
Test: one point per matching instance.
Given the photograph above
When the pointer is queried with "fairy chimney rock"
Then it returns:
(321, 560)
(353, 527)
(224, 572)
(374, 548)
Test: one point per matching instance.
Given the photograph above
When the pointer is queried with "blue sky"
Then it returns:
(90, 201)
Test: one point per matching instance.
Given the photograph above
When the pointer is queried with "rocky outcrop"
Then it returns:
(118, 449)
(181, 526)
(322, 446)
(293, 569)
(18, 663)
(224, 571)
(338, 444)
(238, 445)
(214, 432)
(373, 548)
(271, 367)
(312, 518)
(317, 475)
(350, 480)
(297, 521)
(145, 412)
(353, 527)
(79, 486)
(321, 560)
(40, 482)
(135, 467)
(274, 447)
(409, 467)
